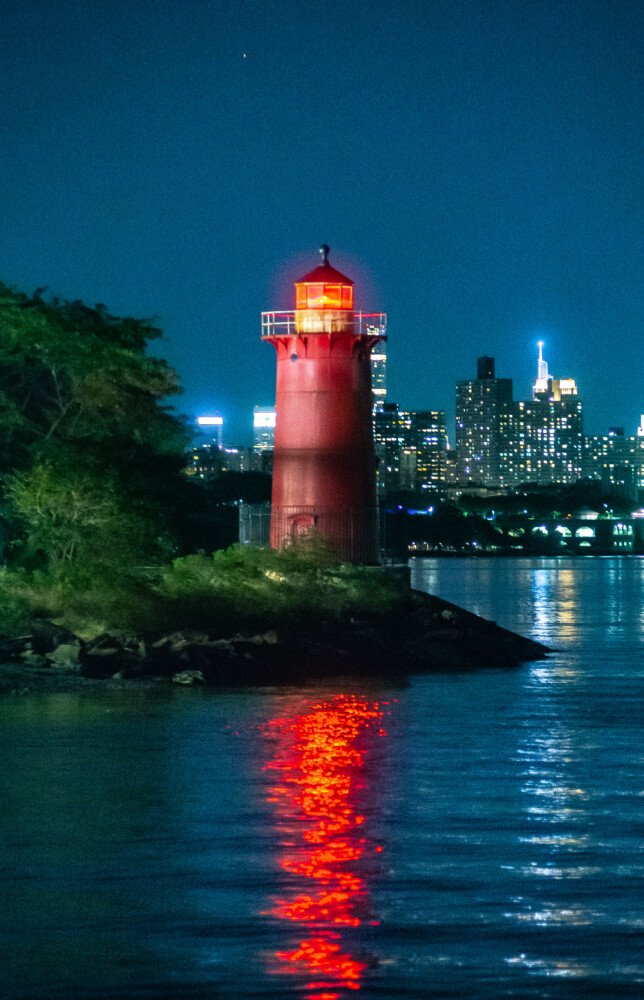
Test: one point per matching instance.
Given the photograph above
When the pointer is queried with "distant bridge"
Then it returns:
(600, 536)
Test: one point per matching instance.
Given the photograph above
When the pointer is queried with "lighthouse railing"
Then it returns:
(282, 324)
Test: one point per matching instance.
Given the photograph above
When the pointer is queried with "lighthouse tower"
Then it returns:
(324, 464)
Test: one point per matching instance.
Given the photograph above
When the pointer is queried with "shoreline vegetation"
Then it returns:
(240, 617)
(93, 488)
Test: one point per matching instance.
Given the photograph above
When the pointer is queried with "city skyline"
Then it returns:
(542, 373)
(475, 169)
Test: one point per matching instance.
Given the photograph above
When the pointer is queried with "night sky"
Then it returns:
(474, 166)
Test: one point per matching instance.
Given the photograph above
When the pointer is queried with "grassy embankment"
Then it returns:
(240, 589)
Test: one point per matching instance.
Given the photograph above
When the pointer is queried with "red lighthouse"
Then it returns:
(324, 464)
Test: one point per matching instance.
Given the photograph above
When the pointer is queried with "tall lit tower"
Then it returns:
(324, 464)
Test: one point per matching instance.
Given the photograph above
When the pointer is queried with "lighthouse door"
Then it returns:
(302, 524)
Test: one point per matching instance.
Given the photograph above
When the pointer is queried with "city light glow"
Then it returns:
(210, 421)
(264, 419)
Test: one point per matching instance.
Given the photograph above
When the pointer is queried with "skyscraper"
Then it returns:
(504, 442)
(541, 441)
(379, 375)
(411, 448)
(429, 435)
(479, 404)
(263, 428)
(548, 388)
(392, 434)
(618, 460)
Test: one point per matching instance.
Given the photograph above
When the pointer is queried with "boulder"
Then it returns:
(66, 656)
(15, 645)
(46, 637)
(188, 677)
(32, 660)
(112, 652)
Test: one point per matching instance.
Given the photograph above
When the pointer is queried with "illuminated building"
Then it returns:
(411, 448)
(541, 441)
(504, 442)
(206, 462)
(211, 428)
(392, 436)
(618, 460)
(542, 366)
(379, 375)
(324, 478)
(479, 405)
(263, 428)
(550, 389)
(239, 460)
(429, 432)
(209, 461)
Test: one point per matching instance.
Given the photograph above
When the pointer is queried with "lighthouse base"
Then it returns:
(350, 533)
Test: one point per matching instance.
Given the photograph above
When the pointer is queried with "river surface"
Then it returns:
(476, 834)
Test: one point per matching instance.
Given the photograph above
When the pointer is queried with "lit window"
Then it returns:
(333, 296)
(315, 296)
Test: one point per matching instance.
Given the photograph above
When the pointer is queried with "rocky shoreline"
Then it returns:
(426, 634)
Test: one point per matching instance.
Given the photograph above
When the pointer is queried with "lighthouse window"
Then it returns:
(316, 296)
(333, 296)
(347, 297)
(300, 297)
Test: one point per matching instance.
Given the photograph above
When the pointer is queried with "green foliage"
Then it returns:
(15, 609)
(241, 589)
(74, 515)
(86, 602)
(90, 458)
(245, 587)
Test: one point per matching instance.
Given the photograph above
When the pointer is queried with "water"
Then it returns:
(470, 835)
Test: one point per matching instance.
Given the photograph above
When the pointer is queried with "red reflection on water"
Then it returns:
(319, 766)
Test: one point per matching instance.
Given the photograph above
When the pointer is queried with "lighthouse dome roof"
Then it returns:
(324, 274)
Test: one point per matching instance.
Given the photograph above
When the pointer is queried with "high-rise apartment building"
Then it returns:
(541, 441)
(618, 460)
(479, 405)
(392, 435)
(429, 435)
(503, 442)
(411, 448)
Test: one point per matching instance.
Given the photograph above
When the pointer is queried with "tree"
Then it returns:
(90, 457)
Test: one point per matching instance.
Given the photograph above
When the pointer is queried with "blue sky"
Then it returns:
(474, 166)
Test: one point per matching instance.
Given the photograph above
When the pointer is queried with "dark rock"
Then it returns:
(46, 636)
(33, 660)
(66, 656)
(188, 677)
(121, 641)
(15, 645)
(114, 651)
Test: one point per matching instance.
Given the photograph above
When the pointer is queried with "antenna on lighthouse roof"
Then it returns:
(324, 250)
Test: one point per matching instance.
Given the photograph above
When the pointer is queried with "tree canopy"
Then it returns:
(88, 447)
